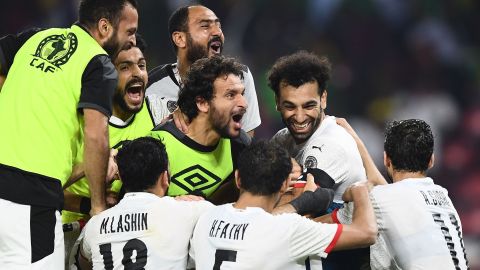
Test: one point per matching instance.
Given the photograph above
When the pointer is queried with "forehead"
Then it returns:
(305, 92)
(228, 82)
(131, 55)
(129, 17)
(197, 14)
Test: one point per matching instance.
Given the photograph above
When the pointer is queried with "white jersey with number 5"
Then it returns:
(229, 238)
(143, 231)
(418, 227)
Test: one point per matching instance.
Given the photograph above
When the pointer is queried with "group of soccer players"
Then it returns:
(160, 149)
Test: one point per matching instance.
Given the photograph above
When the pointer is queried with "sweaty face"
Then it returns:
(227, 106)
(123, 36)
(301, 109)
(204, 37)
(132, 79)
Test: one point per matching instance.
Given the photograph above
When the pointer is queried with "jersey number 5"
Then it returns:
(222, 255)
(133, 244)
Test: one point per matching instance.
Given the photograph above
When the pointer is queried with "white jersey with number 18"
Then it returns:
(143, 231)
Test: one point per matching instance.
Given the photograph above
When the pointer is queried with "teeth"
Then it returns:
(301, 125)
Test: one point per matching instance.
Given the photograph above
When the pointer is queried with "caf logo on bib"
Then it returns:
(57, 49)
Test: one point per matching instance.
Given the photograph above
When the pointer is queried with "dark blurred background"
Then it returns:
(392, 59)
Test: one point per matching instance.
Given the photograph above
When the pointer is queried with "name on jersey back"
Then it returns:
(124, 223)
(226, 230)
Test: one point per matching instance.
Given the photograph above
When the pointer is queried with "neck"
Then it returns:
(117, 112)
(247, 199)
(202, 132)
(402, 175)
(183, 65)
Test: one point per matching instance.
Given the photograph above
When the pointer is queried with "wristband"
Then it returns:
(85, 205)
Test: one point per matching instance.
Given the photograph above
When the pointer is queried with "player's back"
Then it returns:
(419, 225)
(143, 230)
(254, 239)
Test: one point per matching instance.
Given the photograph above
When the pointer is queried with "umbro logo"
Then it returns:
(195, 178)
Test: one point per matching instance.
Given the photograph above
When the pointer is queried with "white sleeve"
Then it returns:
(312, 238)
(251, 119)
(83, 239)
(328, 156)
(158, 108)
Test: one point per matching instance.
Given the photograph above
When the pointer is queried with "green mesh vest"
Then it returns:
(40, 124)
(194, 167)
(139, 126)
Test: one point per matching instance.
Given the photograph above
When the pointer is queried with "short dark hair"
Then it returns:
(409, 145)
(200, 78)
(300, 68)
(263, 167)
(178, 21)
(140, 163)
(91, 11)
(141, 43)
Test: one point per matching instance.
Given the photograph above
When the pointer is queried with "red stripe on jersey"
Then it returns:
(335, 238)
(334, 216)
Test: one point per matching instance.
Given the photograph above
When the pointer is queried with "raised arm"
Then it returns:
(96, 155)
(362, 231)
(373, 174)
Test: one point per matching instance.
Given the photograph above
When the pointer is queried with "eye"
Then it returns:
(142, 66)
(123, 67)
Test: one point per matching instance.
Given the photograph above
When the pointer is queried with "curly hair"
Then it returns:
(299, 68)
(141, 162)
(409, 144)
(200, 78)
(263, 167)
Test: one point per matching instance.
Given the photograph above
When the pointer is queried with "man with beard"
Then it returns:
(204, 158)
(58, 83)
(314, 139)
(131, 118)
(418, 226)
(196, 33)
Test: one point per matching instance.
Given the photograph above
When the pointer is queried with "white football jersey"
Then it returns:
(418, 227)
(331, 149)
(229, 238)
(143, 231)
(164, 83)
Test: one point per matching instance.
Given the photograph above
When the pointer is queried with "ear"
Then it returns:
(180, 39)
(238, 183)
(202, 105)
(386, 160)
(164, 180)
(104, 28)
(323, 100)
(276, 103)
(285, 185)
(431, 162)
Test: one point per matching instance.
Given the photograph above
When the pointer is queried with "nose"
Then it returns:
(216, 30)
(132, 40)
(299, 115)
(242, 102)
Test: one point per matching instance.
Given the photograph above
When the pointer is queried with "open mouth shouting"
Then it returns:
(134, 91)
(237, 118)
(215, 46)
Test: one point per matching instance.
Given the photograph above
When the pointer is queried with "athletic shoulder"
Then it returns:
(160, 72)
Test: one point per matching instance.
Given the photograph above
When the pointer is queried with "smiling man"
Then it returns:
(203, 160)
(196, 33)
(314, 139)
